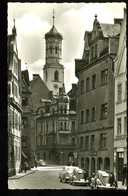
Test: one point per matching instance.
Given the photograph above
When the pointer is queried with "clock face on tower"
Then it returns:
(55, 85)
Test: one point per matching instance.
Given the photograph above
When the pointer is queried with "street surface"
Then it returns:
(44, 178)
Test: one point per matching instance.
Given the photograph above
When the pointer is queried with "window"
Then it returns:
(65, 125)
(61, 109)
(56, 75)
(82, 86)
(46, 75)
(87, 85)
(87, 115)
(104, 77)
(125, 125)
(93, 81)
(61, 125)
(73, 141)
(119, 92)
(103, 140)
(9, 89)
(104, 109)
(56, 50)
(50, 50)
(82, 117)
(25, 121)
(24, 143)
(87, 143)
(95, 50)
(81, 142)
(24, 101)
(52, 126)
(92, 142)
(73, 126)
(119, 126)
(65, 109)
(93, 114)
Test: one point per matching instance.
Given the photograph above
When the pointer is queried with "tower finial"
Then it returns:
(53, 16)
(14, 28)
(95, 16)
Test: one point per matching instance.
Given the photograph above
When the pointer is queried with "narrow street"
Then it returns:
(44, 178)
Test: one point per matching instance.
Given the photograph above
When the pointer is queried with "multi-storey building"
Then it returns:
(28, 131)
(95, 104)
(56, 117)
(120, 120)
(14, 105)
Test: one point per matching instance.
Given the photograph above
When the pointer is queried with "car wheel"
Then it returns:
(60, 180)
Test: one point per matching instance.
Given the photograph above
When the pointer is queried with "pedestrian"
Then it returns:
(35, 164)
(85, 174)
(25, 166)
(124, 182)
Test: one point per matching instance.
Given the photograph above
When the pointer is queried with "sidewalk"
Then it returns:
(120, 186)
(22, 174)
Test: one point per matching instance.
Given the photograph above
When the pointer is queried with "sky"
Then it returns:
(34, 20)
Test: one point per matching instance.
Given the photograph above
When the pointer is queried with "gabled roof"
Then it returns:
(39, 91)
(25, 76)
(110, 29)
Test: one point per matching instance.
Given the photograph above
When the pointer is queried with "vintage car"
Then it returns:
(102, 181)
(78, 178)
(66, 172)
(41, 163)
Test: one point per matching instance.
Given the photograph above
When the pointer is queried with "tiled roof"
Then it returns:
(110, 29)
(39, 91)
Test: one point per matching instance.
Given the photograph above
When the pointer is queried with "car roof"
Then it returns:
(71, 167)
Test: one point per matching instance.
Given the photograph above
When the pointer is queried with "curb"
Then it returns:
(21, 175)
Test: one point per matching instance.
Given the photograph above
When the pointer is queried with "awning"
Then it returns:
(24, 155)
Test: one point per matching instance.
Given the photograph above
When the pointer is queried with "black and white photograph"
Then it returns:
(67, 96)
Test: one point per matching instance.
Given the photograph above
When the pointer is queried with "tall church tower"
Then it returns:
(53, 71)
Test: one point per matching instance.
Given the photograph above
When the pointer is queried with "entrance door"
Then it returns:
(120, 163)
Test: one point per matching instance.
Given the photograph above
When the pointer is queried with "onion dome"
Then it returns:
(53, 32)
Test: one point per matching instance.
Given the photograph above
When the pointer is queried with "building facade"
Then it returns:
(120, 119)
(14, 105)
(28, 122)
(95, 103)
(54, 126)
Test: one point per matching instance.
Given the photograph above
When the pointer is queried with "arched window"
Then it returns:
(82, 162)
(92, 166)
(87, 164)
(107, 163)
(56, 75)
(99, 163)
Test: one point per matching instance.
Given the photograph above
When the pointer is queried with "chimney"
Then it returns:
(35, 76)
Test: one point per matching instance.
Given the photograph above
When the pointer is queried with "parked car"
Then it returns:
(102, 181)
(66, 172)
(41, 162)
(78, 178)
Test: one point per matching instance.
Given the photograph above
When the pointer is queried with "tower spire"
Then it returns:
(14, 28)
(53, 16)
